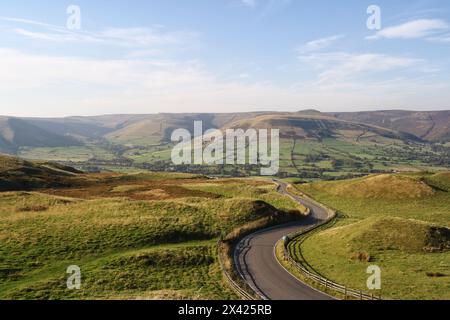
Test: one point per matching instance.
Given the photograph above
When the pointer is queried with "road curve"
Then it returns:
(256, 262)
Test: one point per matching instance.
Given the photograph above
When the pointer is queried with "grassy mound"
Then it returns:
(386, 200)
(413, 256)
(39, 233)
(174, 271)
(57, 229)
(440, 181)
(17, 174)
(379, 187)
(378, 234)
(382, 224)
(251, 189)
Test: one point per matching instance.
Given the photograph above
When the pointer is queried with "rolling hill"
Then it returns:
(136, 129)
(17, 174)
(16, 133)
(315, 125)
(379, 234)
(430, 126)
(156, 128)
(398, 222)
(382, 186)
(313, 144)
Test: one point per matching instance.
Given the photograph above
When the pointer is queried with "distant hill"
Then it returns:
(15, 133)
(156, 128)
(430, 126)
(79, 128)
(315, 125)
(313, 144)
(130, 127)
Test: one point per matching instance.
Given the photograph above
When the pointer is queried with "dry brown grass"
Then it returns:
(381, 186)
(159, 194)
(145, 190)
(36, 208)
(361, 256)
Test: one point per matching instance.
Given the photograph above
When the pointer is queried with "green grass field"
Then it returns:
(134, 236)
(398, 222)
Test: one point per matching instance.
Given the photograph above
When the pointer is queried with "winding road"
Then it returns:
(256, 262)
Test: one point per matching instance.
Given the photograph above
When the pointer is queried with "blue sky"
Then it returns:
(153, 56)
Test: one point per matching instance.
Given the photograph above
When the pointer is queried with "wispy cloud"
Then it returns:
(31, 71)
(319, 44)
(412, 30)
(57, 84)
(342, 66)
(129, 37)
(57, 36)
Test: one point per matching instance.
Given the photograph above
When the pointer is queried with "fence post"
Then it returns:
(361, 294)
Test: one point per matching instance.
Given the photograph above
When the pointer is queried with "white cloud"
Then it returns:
(319, 44)
(340, 66)
(57, 36)
(26, 72)
(129, 37)
(412, 30)
(27, 21)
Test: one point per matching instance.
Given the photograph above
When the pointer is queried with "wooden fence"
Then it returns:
(328, 284)
(228, 277)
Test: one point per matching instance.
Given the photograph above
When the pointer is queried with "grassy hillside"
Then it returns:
(135, 236)
(384, 186)
(315, 125)
(431, 126)
(398, 222)
(16, 133)
(140, 130)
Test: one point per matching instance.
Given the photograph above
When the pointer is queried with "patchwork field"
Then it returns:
(134, 236)
(327, 158)
(397, 222)
(313, 145)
